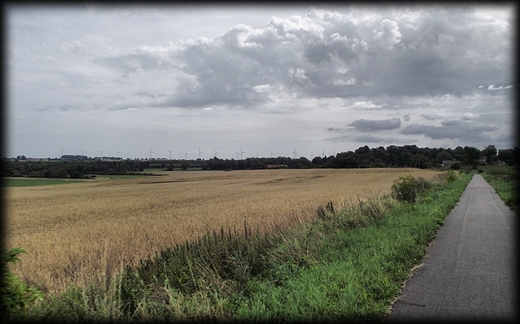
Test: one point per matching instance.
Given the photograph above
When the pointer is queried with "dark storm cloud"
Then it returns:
(364, 125)
(462, 130)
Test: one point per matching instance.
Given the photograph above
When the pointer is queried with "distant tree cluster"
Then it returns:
(255, 163)
(77, 167)
(68, 169)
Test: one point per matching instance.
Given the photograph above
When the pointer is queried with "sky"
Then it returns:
(161, 81)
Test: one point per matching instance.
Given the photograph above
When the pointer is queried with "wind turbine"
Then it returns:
(185, 154)
(271, 153)
(101, 153)
(200, 152)
(312, 155)
(150, 153)
(241, 154)
(237, 154)
(294, 152)
(323, 153)
(216, 153)
(170, 153)
(82, 152)
(61, 152)
(118, 153)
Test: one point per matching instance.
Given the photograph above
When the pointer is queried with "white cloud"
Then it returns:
(365, 105)
(262, 88)
(493, 87)
(388, 33)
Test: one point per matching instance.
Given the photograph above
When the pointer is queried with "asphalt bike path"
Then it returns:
(468, 273)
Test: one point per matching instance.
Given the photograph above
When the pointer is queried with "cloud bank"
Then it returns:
(327, 54)
(435, 75)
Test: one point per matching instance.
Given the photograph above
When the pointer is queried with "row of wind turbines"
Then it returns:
(199, 154)
(239, 154)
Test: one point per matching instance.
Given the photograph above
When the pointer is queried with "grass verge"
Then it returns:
(504, 179)
(346, 264)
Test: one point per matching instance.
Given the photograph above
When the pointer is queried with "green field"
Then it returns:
(29, 182)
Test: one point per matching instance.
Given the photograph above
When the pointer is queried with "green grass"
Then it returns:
(29, 182)
(360, 270)
(345, 265)
(504, 179)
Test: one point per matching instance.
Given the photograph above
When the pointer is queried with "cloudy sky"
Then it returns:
(314, 80)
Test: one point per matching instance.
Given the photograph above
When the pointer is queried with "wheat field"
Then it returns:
(86, 232)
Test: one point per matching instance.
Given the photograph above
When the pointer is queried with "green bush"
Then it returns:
(405, 189)
(16, 294)
(451, 176)
(455, 166)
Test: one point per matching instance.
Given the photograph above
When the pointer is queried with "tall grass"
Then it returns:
(504, 180)
(347, 263)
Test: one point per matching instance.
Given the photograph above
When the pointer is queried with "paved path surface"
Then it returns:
(469, 271)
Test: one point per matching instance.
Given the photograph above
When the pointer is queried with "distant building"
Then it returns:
(447, 162)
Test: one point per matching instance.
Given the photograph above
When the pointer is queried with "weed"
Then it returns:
(17, 295)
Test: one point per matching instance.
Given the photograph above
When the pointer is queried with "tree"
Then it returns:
(317, 161)
(455, 166)
(458, 153)
(506, 156)
(490, 152)
(516, 155)
(185, 165)
(471, 155)
(443, 156)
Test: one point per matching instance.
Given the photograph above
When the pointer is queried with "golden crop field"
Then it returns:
(80, 232)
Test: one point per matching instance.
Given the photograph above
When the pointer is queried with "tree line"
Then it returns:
(66, 169)
(380, 157)
(363, 157)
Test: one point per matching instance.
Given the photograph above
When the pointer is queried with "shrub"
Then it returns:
(422, 184)
(455, 166)
(405, 189)
(451, 176)
(16, 294)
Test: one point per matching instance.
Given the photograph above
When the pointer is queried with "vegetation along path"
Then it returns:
(468, 273)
